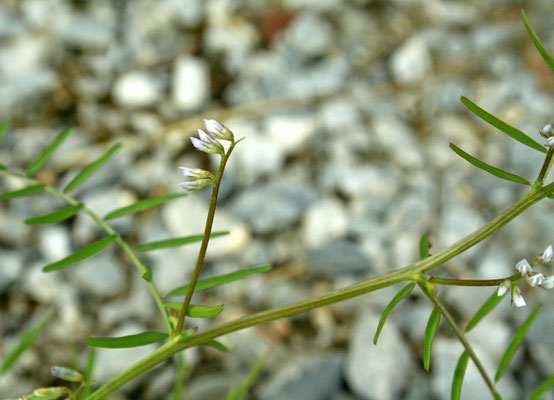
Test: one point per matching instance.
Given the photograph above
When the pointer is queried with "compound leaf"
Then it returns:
(489, 168)
(47, 152)
(56, 216)
(218, 280)
(503, 126)
(395, 300)
(142, 205)
(85, 252)
(87, 171)
(430, 331)
(29, 190)
(139, 339)
(516, 341)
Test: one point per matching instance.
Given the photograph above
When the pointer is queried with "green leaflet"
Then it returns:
(430, 331)
(459, 376)
(3, 128)
(395, 300)
(542, 389)
(85, 252)
(139, 339)
(424, 246)
(489, 168)
(503, 126)
(56, 216)
(197, 311)
(87, 171)
(2, 167)
(180, 241)
(216, 345)
(142, 205)
(47, 152)
(486, 308)
(516, 341)
(29, 190)
(218, 280)
(537, 42)
(24, 343)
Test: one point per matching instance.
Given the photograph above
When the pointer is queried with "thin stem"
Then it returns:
(460, 335)
(205, 240)
(473, 282)
(410, 272)
(545, 168)
(110, 231)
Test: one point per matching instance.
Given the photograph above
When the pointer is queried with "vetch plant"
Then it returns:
(181, 333)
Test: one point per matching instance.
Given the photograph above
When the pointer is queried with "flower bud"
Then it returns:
(548, 282)
(207, 144)
(535, 279)
(67, 374)
(503, 288)
(523, 267)
(547, 131)
(218, 130)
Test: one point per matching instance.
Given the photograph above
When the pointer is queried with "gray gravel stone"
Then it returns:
(100, 275)
(308, 377)
(339, 257)
(11, 268)
(191, 83)
(324, 221)
(411, 62)
(377, 372)
(137, 89)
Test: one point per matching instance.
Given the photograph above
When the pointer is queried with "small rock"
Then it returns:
(191, 83)
(338, 113)
(309, 34)
(136, 89)
(277, 204)
(411, 62)
(101, 275)
(308, 377)
(399, 140)
(377, 372)
(54, 243)
(11, 266)
(324, 221)
(340, 256)
(291, 131)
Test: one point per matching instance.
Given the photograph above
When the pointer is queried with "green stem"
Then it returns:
(460, 335)
(205, 240)
(545, 168)
(110, 231)
(473, 282)
(410, 272)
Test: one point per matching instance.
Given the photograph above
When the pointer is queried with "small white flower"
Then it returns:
(523, 267)
(195, 184)
(548, 282)
(536, 279)
(503, 288)
(547, 131)
(196, 173)
(546, 255)
(550, 141)
(207, 144)
(517, 298)
(218, 130)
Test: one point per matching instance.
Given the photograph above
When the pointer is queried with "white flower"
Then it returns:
(523, 267)
(517, 298)
(546, 131)
(503, 288)
(550, 141)
(546, 255)
(195, 184)
(536, 279)
(218, 130)
(548, 282)
(207, 144)
(196, 173)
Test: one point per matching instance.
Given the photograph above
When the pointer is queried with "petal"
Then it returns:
(523, 267)
(546, 255)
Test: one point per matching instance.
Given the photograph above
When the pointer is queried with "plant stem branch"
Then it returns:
(205, 240)
(460, 335)
(473, 282)
(410, 272)
(545, 168)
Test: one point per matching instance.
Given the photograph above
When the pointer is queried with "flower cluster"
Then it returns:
(208, 143)
(547, 132)
(533, 278)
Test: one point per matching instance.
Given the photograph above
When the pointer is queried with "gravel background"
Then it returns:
(347, 108)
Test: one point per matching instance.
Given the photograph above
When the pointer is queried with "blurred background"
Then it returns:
(348, 108)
